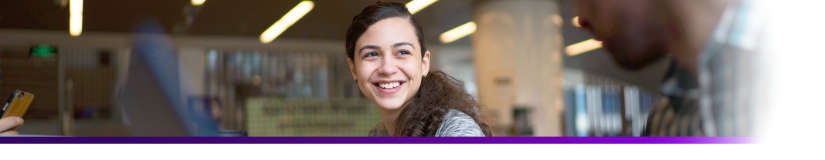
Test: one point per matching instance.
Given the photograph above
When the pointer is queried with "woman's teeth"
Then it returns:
(389, 85)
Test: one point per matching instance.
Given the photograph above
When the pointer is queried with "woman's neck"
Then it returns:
(388, 117)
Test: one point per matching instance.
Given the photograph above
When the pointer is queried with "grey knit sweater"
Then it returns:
(455, 124)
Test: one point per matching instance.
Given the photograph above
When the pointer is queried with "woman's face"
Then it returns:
(387, 63)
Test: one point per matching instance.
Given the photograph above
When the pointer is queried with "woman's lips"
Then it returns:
(389, 87)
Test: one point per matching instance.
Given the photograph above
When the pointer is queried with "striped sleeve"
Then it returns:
(741, 77)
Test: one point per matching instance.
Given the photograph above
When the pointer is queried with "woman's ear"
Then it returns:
(352, 69)
(425, 63)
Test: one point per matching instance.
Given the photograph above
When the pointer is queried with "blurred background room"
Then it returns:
(526, 61)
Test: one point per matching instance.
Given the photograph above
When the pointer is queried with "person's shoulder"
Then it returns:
(458, 124)
(455, 114)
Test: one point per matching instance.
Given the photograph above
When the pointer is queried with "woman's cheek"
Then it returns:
(365, 71)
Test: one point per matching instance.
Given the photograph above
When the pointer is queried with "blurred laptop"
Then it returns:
(152, 97)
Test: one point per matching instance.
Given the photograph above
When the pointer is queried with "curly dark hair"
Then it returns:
(438, 92)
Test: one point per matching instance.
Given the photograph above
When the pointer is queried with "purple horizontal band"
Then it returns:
(376, 140)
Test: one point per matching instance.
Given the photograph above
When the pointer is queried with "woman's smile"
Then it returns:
(388, 86)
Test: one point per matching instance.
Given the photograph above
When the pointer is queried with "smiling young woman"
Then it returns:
(390, 62)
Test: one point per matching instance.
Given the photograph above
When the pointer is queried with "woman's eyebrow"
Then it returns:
(369, 47)
(399, 44)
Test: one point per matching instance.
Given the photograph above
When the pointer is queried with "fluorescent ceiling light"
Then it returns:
(197, 2)
(416, 5)
(576, 21)
(458, 32)
(290, 18)
(583, 46)
(75, 17)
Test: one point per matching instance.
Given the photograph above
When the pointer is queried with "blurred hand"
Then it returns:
(10, 122)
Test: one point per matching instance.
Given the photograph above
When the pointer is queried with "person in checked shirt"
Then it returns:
(725, 76)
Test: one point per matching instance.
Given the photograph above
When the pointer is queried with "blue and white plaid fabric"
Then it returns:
(737, 92)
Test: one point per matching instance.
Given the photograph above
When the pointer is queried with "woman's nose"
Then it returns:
(388, 67)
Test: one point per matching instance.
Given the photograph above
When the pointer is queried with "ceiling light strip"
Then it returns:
(417, 5)
(75, 17)
(458, 32)
(582, 47)
(285, 22)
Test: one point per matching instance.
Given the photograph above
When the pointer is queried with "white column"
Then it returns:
(517, 53)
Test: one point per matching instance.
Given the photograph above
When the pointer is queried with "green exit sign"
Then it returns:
(43, 51)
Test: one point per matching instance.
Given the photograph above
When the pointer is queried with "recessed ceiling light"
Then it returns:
(197, 2)
(576, 21)
(558, 20)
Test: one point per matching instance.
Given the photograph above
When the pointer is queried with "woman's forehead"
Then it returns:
(388, 32)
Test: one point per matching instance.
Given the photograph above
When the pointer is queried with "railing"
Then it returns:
(234, 76)
(74, 89)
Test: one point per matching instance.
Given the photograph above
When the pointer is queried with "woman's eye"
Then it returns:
(371, 54)
(403, 53)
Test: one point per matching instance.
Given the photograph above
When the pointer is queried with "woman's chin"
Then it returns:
(389, 104)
